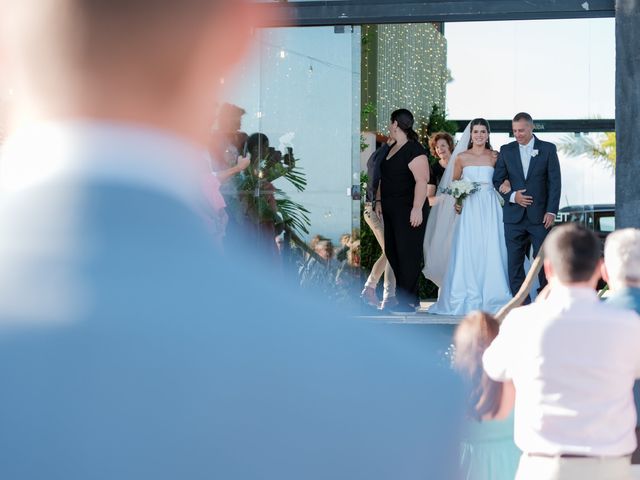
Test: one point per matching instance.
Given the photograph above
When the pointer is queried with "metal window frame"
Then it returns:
(556, 126)
(359, 12)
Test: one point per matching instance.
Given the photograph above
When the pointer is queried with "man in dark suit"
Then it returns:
(530, 207)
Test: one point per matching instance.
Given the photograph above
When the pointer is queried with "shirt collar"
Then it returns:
(571, 293)
(529, 146)
(118, 152)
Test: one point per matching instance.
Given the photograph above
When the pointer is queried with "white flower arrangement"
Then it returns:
(286, 141)
(460, 189)
(534, 153)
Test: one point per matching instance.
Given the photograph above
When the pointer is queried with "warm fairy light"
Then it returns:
(411, 70)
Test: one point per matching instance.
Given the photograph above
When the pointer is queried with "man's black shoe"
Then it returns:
(402, 309)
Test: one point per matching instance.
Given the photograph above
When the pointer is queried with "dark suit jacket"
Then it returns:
(542, 181)
(373, 170)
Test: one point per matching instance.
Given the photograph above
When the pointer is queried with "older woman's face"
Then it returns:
(442, 149)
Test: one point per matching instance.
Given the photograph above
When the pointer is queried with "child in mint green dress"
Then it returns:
(488, 450)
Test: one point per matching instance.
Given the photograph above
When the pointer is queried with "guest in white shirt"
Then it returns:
(573, 361)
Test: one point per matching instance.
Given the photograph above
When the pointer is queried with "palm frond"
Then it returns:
(288, 212)
(294, 214)
(297, 178)
(602, 151)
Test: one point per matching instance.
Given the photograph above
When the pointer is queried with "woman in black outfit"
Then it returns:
(401, 202)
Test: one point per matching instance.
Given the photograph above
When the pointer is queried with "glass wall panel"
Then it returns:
(300, 88)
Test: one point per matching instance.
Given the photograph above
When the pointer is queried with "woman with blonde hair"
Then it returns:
(488, 449)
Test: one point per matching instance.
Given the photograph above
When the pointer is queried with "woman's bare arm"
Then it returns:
(457, 168)
(431, 194)
(419, 166)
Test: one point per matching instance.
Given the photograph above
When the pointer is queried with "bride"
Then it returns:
(466, 255)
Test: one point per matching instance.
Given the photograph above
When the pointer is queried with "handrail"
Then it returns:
(525, 289)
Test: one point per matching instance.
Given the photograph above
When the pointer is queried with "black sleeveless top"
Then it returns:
(397, 181)
(437, 171)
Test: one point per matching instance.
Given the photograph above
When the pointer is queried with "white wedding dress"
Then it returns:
(476, 275)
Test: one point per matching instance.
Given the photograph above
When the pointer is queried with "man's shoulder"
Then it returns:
(509, 149)
(508, 146)
(628, 299)
(542, 144)
(520, 319)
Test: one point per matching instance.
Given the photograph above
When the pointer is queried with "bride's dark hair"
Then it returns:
(405, 122)
(484, 123)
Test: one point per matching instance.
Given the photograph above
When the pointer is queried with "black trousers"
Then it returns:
(403, 246)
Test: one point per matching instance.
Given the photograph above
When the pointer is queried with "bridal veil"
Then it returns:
(441, 221)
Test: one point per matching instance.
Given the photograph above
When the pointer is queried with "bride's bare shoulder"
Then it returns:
(464, 156)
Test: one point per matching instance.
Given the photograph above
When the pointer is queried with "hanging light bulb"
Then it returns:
(283, 54)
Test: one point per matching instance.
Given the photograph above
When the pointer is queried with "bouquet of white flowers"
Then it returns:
(461, 189)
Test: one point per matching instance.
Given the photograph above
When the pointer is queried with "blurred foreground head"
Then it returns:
(150, 62)
(622, 258)
(471, 338)
(129, 348)
(572, 255)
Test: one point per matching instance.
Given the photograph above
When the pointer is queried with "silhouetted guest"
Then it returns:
(227, 161)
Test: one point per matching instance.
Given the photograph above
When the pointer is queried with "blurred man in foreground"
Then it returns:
(128, 348)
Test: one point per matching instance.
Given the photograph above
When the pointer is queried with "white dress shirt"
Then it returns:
(526, 151)
(573, 361)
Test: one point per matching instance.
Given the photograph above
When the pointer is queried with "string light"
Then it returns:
(411, 70)
(287, 51)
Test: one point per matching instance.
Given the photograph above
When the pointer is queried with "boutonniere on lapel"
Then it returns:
(534, 153)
